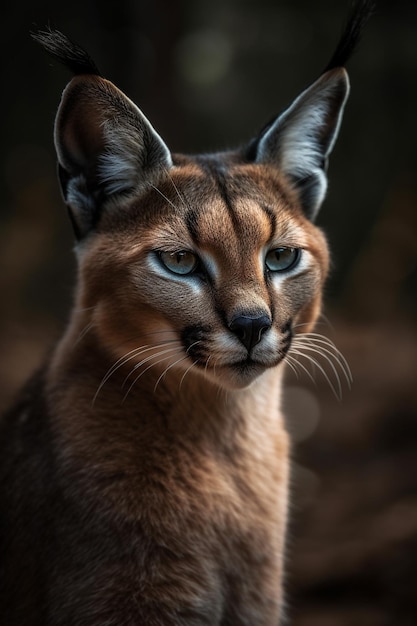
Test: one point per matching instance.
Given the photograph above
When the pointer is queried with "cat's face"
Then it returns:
(211, 270)
(205, 265)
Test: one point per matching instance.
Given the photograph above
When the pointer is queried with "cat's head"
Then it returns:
(210, 262)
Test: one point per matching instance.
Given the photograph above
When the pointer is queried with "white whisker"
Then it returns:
(119, 363)
(149, 358)
(207, 362)
(180, 196)
(192, 364)
(83, 309)
(220, 390)
(185, 374)
(144, 371)
(323, 352)
(296, 364)
(330, 349)
(323, 321)
(292, 366)
(192, 345)
(321, 369)
(164, 196)
(166, 370)
(328, 355)
(132, 354)
(84, 332)
(326, 321)
(304, 344)
(159, 332)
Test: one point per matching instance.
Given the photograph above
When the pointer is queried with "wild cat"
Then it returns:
(144, 469)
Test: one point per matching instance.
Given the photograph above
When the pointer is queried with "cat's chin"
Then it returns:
(237, 375)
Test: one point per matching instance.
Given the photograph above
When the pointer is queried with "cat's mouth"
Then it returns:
(242, 373)
(248, 365)
(247, 369)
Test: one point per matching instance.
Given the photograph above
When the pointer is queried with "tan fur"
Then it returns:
(197, 458)
(146, 473)
(204, 469)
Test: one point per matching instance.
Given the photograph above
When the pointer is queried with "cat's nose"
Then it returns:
(250, 328)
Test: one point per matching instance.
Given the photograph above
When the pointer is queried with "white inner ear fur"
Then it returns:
(299, 149)
(301, 138)
(130, 149)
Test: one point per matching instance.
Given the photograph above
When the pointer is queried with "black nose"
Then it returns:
(250, 328)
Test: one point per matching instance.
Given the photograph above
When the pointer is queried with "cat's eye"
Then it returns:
(282, 259)
(182, 262)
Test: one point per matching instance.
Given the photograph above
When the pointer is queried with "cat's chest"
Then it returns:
(179, 486)
(203, 513)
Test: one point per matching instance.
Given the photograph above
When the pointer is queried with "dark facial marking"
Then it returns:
(191, 221)
(287, 334)
(216, 172)
(222, 187)
(193, 339)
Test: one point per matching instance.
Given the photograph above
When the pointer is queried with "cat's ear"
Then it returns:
(106, 148)
(300, 140)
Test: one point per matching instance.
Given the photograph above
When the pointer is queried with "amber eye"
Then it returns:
(182, 262)
(282, 259)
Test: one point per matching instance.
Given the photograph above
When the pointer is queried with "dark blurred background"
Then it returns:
(209, 74)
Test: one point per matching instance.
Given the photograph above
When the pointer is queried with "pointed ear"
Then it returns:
(106, 147)
(300, 140)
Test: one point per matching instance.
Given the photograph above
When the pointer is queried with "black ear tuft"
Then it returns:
(70, 54)
(300, 139)
(359, 15)
(106, 148)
